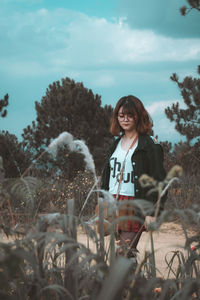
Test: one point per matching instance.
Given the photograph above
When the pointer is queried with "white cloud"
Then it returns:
(162, 126)
(104, 42)
(104, 80)
(159, 106)
(22, 68)
(165, 130)
(161, 16)
(43, 11)
(62, 39)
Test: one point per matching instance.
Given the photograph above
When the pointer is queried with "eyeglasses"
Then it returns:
(122, 117)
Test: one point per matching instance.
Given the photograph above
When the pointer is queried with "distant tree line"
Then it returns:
(69, 106)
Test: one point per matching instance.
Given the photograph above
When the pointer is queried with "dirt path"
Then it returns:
(169, 238)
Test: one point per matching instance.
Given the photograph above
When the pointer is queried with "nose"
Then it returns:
(126, 117)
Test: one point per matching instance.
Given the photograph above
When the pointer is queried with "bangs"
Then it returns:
(129, 108)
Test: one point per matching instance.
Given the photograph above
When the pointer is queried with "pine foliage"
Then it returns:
(3, 104)
(69, 106)
(15, 158)
(187, 119)
(187, 123)
(193, 4)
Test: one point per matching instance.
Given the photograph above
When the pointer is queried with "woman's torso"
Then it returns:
(117, 160)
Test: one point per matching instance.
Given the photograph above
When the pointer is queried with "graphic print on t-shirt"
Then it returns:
(116, 170)
(116, 162)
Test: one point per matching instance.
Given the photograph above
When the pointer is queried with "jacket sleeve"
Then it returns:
(105, 177)
(157, 171)
(156, 163)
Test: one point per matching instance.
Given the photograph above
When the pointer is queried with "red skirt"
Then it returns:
(126, 210)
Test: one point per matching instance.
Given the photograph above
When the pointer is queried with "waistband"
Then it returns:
(124, 197)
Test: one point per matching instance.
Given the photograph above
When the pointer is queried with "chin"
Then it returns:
(128, 128)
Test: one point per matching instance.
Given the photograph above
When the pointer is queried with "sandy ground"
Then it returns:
(168, 239)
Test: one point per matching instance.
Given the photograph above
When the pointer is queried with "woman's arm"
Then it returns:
(105, 177)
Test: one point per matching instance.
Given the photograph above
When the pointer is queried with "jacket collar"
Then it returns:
(142, 142)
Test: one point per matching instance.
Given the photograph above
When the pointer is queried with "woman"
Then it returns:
(132, 154)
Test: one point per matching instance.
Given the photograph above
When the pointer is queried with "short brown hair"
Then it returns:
(133, 106)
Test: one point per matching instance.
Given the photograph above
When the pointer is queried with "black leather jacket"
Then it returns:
(147, 159)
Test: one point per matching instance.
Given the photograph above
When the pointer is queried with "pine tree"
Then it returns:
(193, 4)
(3, 104)
(15, 158)
(187, 119)
(69, 106)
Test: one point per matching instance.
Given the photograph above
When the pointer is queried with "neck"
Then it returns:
(130, 135)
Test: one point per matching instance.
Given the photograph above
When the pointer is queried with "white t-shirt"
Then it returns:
(116, 161)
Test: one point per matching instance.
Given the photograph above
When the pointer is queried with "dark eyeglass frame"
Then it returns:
(122, 116)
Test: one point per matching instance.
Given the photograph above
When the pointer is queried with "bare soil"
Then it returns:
(168, 239)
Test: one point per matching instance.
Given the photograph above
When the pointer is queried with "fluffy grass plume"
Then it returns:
(65, 138)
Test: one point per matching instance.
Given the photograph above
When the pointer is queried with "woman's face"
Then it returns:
(126, 121)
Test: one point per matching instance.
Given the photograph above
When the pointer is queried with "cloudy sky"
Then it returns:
(115, 47)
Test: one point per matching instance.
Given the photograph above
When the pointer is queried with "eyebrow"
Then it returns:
(125, 112)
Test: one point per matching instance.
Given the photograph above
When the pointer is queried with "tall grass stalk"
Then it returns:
(161, 188)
